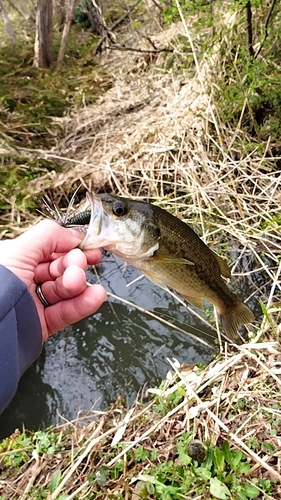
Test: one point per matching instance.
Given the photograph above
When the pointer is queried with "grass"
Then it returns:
(194, 133)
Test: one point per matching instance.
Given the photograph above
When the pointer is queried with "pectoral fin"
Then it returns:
(169, 259)
(224, 269)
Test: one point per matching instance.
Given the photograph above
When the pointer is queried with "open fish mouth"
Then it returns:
(98, 229)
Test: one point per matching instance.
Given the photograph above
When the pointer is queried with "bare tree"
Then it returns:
(67, 25)
(95, 15)
(44, 34)
(9, 28)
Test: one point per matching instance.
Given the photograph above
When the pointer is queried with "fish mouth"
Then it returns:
(99, 223)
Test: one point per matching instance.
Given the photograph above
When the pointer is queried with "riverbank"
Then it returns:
(148, 450)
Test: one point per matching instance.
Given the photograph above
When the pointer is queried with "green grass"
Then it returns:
(220, 471)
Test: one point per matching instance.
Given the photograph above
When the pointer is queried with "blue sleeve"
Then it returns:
(20, 333)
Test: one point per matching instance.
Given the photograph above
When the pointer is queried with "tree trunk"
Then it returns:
(44, 34)
(95, 15)
(7, 24)
(66, 30)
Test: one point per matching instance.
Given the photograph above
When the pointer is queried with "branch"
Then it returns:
(144, 51)
(66, 29)
(249, 28)
(270, 12)
(98, 48)
(129, 11)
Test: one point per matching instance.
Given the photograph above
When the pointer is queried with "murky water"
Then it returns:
(113, 353)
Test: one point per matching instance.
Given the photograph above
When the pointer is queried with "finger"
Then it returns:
(93, 256)
(67, 286)
(47, 271)
(70, 311)
(47, 237)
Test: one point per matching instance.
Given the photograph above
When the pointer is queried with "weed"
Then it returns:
(164, 404)
(18, 449)
(222, 474)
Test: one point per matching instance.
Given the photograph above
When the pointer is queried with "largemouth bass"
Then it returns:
(166, 250)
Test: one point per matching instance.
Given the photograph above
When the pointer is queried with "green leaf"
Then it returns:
(140, 454)
(227, 453)
(218, 489)
(268, 447)
(203, 473)
(243, 468)
(237, 457)
(250, 490)
(181, 391)
(149, 488)
(241, 496)
(183, 456)
(219, 459)
(55, 480)
(266, 313)
(101, 476)
(210, 459)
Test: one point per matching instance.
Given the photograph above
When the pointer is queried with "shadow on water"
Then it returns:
(112, 353)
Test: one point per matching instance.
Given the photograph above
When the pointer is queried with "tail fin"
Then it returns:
(235, 317)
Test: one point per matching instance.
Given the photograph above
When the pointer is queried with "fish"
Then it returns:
(167, 251)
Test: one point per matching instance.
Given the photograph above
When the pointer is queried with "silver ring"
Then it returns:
(42, 297)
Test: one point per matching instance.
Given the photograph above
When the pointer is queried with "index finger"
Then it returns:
(48, 237)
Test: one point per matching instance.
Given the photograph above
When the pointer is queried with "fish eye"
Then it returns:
(119, 208)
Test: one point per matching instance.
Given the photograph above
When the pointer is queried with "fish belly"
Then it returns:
(188, 281)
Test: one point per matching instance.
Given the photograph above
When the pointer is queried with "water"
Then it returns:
(113, 353)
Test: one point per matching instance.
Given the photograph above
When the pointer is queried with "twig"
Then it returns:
(98, 48)
(7, 23)
(132, 49)
(65, 34)
(168, 323)
(271, 8)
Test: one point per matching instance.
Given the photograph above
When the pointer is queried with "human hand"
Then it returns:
(47, 254)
